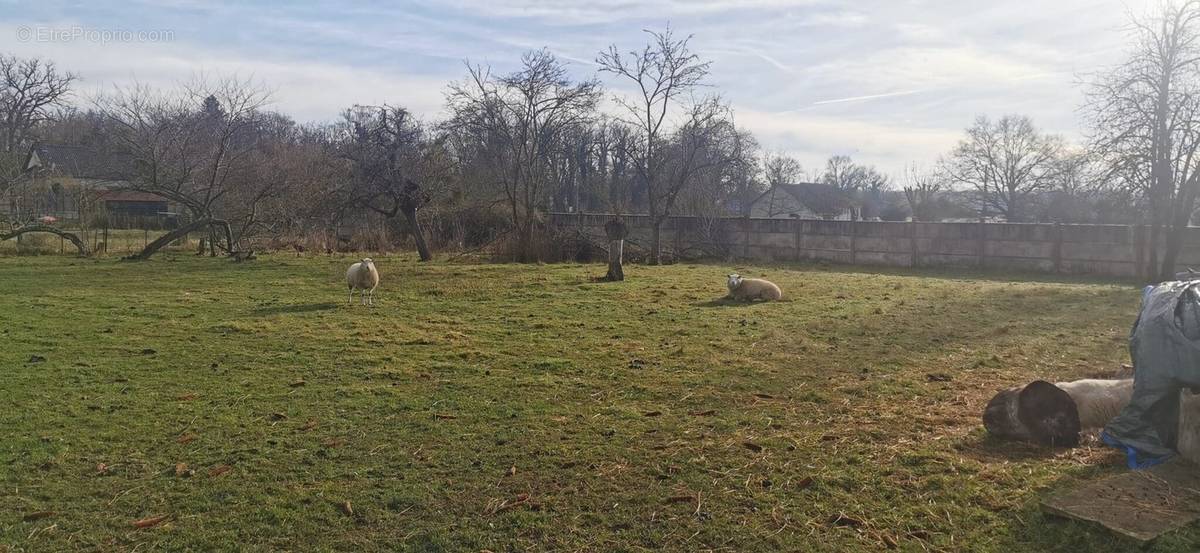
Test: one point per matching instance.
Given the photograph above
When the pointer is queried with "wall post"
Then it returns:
(797, 225)
(853, 241)
(746, 238)
(912, 239)
(1139, 250)
(982, 243)
(1056, 252)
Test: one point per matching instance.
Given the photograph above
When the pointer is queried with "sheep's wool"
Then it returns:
(363, 276)
(1098, 401)
(753, 288)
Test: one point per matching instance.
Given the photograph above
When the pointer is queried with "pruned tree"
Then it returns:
(192, 146)
(1006, 162)
(514, 125)
(663, 73)
(1144, 116)
(616, 231)
(30, 89)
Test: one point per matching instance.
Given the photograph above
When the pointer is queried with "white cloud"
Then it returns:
(812, 138)
(307, 90)
(890, 81)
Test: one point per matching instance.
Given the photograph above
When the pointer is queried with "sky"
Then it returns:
(890, 83)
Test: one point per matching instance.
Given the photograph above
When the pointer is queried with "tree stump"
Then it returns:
(617, 231)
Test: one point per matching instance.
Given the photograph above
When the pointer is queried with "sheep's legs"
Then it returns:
(351, 296)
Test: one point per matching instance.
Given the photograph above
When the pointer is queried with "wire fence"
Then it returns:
(101, 241)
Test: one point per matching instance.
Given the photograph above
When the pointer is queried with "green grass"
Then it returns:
(514, 408)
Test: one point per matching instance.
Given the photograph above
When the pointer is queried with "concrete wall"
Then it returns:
(1114, 250)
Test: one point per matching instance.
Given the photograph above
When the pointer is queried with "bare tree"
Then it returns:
(515, 123)
(615, 174)
(12, 174)
(1006, 162)
(921, 190)
(779, 168)
(863, 182)
(191, 146)
(663, 73)
(776, 169)
(395, 166)
(1145, 118)
(842, 173)
(29, 90)
(288, 179)
(709, 160)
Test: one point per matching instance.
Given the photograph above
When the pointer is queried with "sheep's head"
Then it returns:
(735, 280)
(368, 261)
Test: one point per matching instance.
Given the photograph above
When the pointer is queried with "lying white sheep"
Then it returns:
(750, 289)
(363, 276)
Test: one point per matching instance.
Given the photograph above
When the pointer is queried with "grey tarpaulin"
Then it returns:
(1165, 346)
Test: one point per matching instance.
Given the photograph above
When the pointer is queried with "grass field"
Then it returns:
(525, 408)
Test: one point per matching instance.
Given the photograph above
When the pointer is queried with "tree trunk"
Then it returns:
(616, 231)
(1152, 264)
(1178, 226)
(616, 253)
(79, 244)
(525, 244)
(174, 235)
(418, 235)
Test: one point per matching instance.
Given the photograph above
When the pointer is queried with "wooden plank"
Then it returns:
(1140, 505)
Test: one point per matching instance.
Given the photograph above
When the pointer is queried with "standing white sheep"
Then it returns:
(751, 289)
(363, 276)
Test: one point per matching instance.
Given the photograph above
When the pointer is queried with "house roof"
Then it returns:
(128, 196)
(822, 199)
(80, 161)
